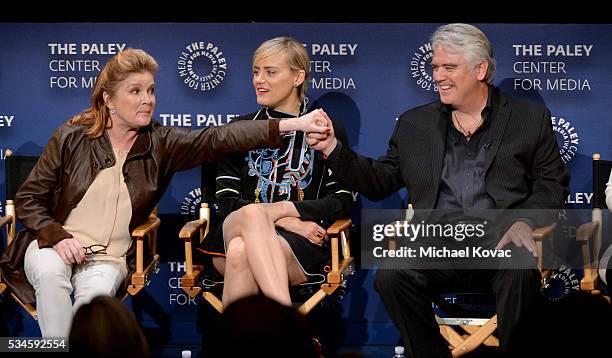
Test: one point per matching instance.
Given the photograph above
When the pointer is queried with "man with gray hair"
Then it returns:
(475, 148)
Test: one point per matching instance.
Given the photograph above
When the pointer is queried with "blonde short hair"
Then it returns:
(296, 54)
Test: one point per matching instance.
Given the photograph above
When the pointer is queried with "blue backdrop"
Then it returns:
(363, 74)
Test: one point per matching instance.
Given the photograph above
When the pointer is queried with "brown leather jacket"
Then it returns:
(69, 164)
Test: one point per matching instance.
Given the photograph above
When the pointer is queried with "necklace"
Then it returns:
(468, 134)
(267, 184)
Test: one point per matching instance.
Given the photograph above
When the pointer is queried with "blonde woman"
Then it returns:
(277, 201)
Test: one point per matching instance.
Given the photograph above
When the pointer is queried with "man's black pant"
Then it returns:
(407, 295)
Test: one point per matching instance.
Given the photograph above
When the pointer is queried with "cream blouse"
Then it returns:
(103, 216)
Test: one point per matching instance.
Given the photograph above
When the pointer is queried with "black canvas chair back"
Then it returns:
(208, 185)
(17, 169)
(210, 278)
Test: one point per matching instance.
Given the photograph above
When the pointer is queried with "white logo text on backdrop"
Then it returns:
(567, 138)
(202, 66)
(420, 67)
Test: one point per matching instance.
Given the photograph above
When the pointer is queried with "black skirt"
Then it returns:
(312, 257)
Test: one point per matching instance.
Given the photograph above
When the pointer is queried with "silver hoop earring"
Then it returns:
(112, 111)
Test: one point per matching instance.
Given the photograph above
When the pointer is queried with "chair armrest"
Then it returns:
(585, 234)
(5, 220)
(186, 233)
(339, 226)
(149, 225)
(538, 235)
(190, 228)
(338, 235)
(586, 231)
(542, 232)
(192, 272)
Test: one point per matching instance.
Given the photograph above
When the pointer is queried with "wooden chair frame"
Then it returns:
(342, 264)
(465, 334)
(140, 278)
(591, 234)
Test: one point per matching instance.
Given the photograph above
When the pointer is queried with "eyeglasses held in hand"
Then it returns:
(95, 249)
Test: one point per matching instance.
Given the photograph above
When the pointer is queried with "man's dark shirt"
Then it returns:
(462, 184)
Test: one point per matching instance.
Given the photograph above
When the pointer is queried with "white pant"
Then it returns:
(54, 282)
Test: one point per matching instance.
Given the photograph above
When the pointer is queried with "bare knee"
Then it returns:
(253, 213)
(249, 222)
(236, 255)
(247, 217)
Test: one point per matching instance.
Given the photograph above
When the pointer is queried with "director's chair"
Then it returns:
(17, 169)
(590, 235)
(196, 282)
(466, 333)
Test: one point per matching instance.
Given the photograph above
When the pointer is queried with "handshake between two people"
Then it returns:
(319, 131)
(318, 128)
